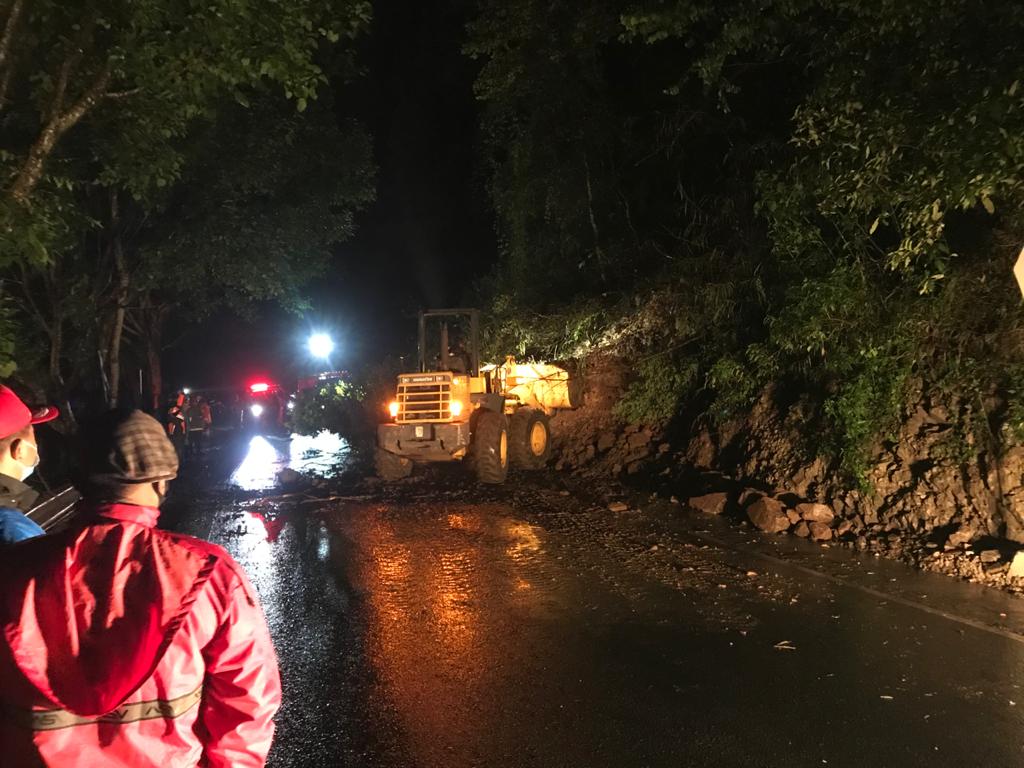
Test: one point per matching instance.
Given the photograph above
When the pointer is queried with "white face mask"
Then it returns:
(28, 469)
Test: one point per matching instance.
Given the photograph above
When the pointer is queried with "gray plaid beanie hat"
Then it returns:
(126, 447)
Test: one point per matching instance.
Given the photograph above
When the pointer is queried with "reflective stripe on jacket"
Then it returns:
(128, 645)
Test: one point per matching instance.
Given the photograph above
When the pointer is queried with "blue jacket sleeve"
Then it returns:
(15, 526)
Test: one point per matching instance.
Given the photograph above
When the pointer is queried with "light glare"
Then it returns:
(321, 345)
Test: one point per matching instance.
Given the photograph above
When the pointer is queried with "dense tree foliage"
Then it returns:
(164, 157)
(824, 194)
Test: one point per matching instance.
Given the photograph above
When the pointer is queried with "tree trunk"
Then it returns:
(32, 169)
(7, 39)
(598, 251)
(58, 385)
(123, 284)
(146, 323)
(56, 345)
(156, 376)
(6, 47)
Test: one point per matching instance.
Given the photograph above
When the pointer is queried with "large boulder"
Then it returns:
(965, 534)
(605, 441)
(710, 503)
(748, 496)
(639, 439)
(289, 478)
(820, 531)
(1017, 566)
(769, 515)
(816, 513)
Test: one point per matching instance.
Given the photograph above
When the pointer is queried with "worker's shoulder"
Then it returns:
(220, 556)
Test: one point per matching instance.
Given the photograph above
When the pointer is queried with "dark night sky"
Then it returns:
(424, 240)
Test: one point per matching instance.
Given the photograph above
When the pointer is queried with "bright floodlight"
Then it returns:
(321, 345)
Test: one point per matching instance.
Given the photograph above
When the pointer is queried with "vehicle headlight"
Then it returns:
(256, 409)
(291, 405)
(455, 406)
(393, 408)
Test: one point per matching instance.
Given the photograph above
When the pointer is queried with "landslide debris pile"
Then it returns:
(931, 496)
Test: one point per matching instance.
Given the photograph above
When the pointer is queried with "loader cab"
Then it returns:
(449, 383)
(449, 340)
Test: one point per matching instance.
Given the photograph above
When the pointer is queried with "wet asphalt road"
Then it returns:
(439, 624)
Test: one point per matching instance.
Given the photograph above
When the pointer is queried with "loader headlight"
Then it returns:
(455, 406)
(393, 409)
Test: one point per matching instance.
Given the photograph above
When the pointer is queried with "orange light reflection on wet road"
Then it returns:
(427, 602)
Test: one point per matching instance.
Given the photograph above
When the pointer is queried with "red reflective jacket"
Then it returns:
(125, 645)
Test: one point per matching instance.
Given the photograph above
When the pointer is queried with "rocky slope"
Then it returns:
(933, 496)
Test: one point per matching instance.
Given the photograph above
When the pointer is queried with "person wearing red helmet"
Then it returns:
(19, 455)
(123, 644)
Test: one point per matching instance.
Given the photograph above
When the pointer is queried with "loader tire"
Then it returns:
(529, 436)
(490, 448)
(390, 466)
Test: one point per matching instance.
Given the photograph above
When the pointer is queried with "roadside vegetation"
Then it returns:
(822, 195)
(351, 407)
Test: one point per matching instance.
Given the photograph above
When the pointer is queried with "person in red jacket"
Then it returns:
(126, 645)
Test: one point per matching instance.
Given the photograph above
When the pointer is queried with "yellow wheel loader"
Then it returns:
(453, 408)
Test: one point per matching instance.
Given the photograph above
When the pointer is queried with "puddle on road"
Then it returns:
(319, 454)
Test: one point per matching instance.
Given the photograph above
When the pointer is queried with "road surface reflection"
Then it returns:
(441, 615)
(267, 456)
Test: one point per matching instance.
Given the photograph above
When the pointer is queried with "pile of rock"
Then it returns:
(623, 451)
(961, 553)
(944, 505)
(808, 520)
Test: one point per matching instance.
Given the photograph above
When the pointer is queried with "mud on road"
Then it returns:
(438, 623)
